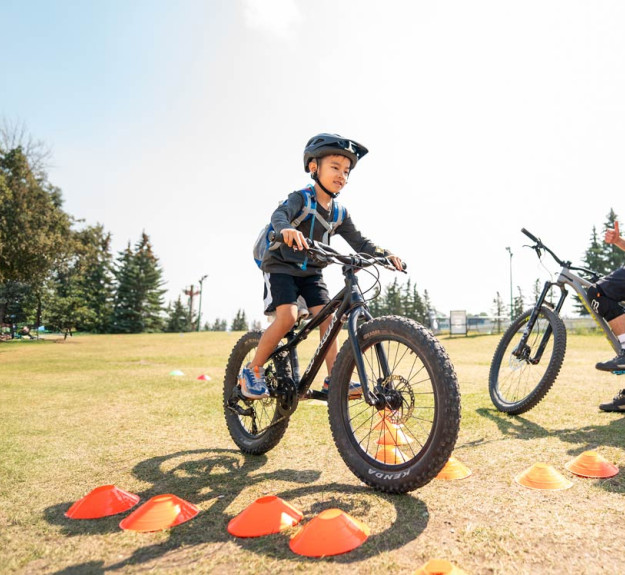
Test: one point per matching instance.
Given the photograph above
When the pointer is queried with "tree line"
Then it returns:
(55, 275)
(65, 278)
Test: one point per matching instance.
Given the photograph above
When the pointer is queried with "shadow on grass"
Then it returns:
(515, 426)
(588, 438)
(212, 480)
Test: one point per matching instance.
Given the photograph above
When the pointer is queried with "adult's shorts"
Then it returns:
(613, 285)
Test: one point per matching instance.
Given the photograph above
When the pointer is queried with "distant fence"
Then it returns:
(490, 325)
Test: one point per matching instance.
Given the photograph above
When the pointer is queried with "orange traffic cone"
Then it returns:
(542, 476)
(330, 533)
(393, 435)
(390, 454)
(439, 567)
(454, 470)
(101, 502)
(160, 512)
(386, 415)
(265, 516)
(591, 464)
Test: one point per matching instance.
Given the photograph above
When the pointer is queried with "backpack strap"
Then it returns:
(309, 210)
(337, 215)
(310, 206)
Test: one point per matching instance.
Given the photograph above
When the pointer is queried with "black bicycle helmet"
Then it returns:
(327, 144)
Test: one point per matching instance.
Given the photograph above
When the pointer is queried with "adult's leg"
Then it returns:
(618, 325)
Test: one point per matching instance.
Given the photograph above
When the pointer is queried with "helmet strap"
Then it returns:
(315, 177)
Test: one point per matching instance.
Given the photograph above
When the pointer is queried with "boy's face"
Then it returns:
(333, 171)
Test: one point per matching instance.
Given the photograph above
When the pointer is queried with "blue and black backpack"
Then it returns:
(262, 243)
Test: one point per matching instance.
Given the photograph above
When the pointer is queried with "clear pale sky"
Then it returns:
(188, 118)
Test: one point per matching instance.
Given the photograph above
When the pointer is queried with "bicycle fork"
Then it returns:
(522, 349)
(352, 329)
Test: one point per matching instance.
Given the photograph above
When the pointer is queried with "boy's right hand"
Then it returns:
(294, 239)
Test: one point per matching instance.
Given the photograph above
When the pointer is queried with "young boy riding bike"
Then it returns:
(605, 297)
(287, 271)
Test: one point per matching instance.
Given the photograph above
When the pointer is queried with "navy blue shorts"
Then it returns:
(613, 285)
(283, 289)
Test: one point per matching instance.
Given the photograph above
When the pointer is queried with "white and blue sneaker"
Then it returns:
(252, 382)
(355, 389)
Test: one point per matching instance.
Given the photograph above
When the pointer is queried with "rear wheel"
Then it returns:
(256, 426)
(405, 440)
(521, 376)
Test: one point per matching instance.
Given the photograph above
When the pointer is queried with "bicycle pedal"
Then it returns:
(240, 411)
(314, 394)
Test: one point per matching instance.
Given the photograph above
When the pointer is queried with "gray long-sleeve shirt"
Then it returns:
(285, 260)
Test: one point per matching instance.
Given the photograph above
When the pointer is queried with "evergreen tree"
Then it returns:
(429, 311)
(408, 300)
(594, 257)
(65, 304)
(421, 314)
(403, 300)
(219, 325)
(177, 318)
(150, 285)
(239, 323)
(126, 318)
(139, 297)
(376, 304)
(96, 278)
(601, 257)
(393, 299)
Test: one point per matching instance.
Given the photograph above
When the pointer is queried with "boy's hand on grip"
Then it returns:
(294, 239)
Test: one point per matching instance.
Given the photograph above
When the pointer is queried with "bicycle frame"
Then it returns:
(347, 306)
(566, 278)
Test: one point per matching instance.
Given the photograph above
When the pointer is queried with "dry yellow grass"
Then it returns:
(103, 409)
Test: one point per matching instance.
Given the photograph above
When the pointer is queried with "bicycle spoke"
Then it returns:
(406, 427)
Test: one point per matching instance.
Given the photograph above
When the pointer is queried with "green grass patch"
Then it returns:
(96, 410)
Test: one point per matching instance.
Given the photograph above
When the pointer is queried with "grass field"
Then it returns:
(99, 410)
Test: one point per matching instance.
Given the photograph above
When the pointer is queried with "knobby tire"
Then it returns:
(405, 445)
(517, 384)
(263, 429)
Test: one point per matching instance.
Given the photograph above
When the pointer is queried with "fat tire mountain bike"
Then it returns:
(401, 432)
(529, 356)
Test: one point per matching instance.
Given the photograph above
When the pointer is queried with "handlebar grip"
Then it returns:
(273, 236)
(530, 235)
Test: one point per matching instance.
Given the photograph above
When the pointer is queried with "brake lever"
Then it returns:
(536, 248)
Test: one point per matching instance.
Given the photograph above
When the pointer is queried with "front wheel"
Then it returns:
(520, 376)
(403, 442)
(256, 426)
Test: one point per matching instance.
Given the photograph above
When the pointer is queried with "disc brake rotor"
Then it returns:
(399, 399)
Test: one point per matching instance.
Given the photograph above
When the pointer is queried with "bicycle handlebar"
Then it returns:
(531, 236)
(324, 252)
(541, 246)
